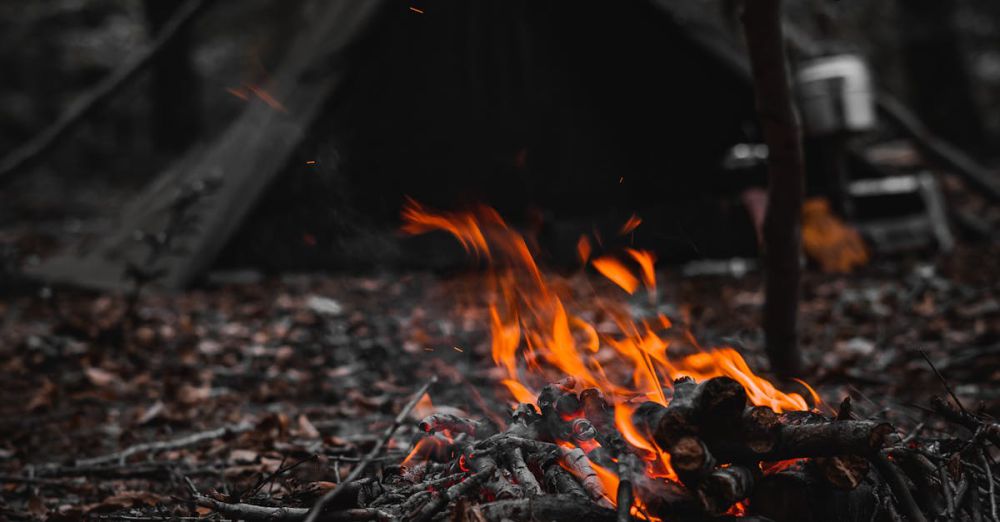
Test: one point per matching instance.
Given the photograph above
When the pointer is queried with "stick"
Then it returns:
(552, 507)
(523, 475)
(626, 495)
(992, 487)
(255, 513)
(188, 440)
(782, 221)
(101, 92)
(944, 382)
(441, 500)
(967, 420)
(356, 472)
(898, 486)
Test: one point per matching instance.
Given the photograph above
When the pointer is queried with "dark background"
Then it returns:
(567, 118)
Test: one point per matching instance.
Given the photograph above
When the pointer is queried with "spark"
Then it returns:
(415, 10)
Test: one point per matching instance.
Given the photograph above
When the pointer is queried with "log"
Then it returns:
(714, 406)
(524, 477)
(724, 487)
(827, 439)
(691, 460)
(541, 509)
(760, 429)
(455, 424)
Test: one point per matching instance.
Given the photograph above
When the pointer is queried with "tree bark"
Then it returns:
(782, 221)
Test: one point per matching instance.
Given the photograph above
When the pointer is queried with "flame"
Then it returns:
(646, 260)
(423, 408)
(583, 249)
(614, 270)
(542, 332)
(633, 223)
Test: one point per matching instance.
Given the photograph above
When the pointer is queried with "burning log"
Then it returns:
(725, 487)
(712, 406)
(522, 474)
(691, 460)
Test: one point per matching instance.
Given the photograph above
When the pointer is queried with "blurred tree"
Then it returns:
(939, 83)
(176, 110)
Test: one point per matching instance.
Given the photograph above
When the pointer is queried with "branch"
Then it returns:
(188, 440)
(375, 451)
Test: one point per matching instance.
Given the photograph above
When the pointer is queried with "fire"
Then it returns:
(540, 331)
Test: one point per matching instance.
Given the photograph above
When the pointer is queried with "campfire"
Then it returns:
(610, 415)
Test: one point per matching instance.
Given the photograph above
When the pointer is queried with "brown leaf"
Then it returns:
(43, 397)
(306, 428)
(36, 506)
(100, 377)
(188, 394)
(128, 499)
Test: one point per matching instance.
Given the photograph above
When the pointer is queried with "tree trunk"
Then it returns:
(939, 82)
(176, 110)
(782, 221)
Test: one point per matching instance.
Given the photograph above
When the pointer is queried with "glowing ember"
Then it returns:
(541, 332)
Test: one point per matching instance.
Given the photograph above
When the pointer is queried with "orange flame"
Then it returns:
(633, 223)
(541, 332)
(614, 270)
(583, 249)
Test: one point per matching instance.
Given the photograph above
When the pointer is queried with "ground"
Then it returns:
(308, 370)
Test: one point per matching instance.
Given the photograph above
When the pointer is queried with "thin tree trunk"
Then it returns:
(782, 221)
(176, 110)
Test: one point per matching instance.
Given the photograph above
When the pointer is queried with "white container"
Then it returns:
(835, 95)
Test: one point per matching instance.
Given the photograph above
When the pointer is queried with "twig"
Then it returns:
(188, 440)
(101, 92)
(265, 479)
(947, 491)
(255, 513)
(898, 486)
(944, 382)
(992, 487)
(625, 491)
(441, 499)
(317, 508)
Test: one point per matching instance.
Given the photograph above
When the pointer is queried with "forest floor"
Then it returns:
(285, 383)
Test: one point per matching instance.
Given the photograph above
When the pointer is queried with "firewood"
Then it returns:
(578, 464)
(440, 499)
(760, 428)
(844, 471)
(455, 424)
(555, 507)
(691, 460)
(558, 479)
(724, 487)
(525, 478)
(714, 405)
(596, 409)
(497, 483)
(810, 440)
